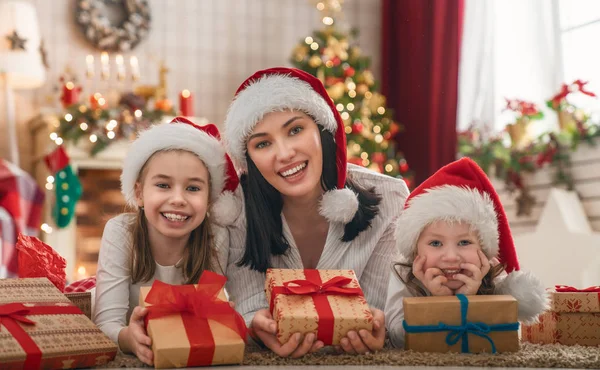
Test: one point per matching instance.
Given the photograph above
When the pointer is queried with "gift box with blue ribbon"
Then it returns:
(468, 324)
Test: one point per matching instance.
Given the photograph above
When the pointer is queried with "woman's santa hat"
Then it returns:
(203, 141)
(279, 89)
(462, 192)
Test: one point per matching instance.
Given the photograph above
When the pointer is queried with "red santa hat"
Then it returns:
(462, 192)
(278, 89)
(203, 141)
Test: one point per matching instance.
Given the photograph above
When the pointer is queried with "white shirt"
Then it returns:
(116, 297)
(394, 309)
(369, 254)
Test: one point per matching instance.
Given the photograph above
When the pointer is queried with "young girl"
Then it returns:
(305, 207)
(176, 178)
(453, 237)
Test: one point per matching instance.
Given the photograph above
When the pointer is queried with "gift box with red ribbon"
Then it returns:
(41, 329)
(573, 318)
(193, 325)
(328, 303)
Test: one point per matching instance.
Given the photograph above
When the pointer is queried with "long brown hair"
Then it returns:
(407, 276)
(199, 255)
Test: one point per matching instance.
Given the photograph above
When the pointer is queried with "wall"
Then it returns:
(210, 46)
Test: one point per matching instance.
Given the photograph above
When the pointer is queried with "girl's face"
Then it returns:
(446, 245)
(286, 149)
(174, 191)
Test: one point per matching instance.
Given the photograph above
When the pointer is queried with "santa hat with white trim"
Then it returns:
(462, 192)
(279, 89)
(203, 141)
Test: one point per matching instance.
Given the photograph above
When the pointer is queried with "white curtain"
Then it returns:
(510, 49)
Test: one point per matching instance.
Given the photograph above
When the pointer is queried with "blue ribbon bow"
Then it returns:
(458, 332)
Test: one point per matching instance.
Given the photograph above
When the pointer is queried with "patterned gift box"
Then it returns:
(328, 303)
(83, 300)
(574, 318)
(41, 328)
(193, 325)
(473, 324)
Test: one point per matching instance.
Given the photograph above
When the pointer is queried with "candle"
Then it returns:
(186, 103)
(135, 68)
(89, 61)
(120, 67)
(70, 94)
(105, 67)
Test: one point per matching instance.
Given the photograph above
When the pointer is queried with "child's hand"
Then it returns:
(364, 341)
(433, 279)
(473, 282)
(264, 329)
(134, 338)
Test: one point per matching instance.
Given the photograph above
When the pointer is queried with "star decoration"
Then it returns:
(44, 54)
(16, 42)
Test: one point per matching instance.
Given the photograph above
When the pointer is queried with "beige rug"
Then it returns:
(530, 355)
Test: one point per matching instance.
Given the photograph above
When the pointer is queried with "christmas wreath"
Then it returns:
(93, 17)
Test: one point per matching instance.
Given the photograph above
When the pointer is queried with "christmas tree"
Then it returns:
(332, 56)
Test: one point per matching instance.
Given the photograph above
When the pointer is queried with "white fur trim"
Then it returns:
(271, 93)
(173, 136)
(453, 204)
(226, 209)
(339, 205)
(529, 291)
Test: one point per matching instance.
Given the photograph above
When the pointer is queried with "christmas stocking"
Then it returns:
(67, 186)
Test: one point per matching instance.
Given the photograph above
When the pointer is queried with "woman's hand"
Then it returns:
(134, 339)
(473, 282)
(433, 279)
(365, 341)
(264, 329)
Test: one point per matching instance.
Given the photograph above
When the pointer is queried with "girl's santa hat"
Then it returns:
(203, 141)
(279, 89)
(462, 192)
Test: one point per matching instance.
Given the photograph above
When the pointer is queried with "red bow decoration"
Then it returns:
(570, 289)
(576, 86)
(196, 305)
(16, 312)
(335, 285)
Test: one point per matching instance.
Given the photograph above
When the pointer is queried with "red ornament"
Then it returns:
(378, 158)
(349, 72)
(97, 101)
(394, 128)
(403, 167)
(357, 128)
(408, 183)
(336, 61)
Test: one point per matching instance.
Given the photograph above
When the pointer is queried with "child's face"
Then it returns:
(174, 192)
(446, 246)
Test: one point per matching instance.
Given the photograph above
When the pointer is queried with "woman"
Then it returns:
(304, 208)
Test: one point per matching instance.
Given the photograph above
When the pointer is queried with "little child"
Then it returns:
(454, 237)
(179, 183)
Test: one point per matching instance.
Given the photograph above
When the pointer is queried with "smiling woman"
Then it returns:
(305, 207)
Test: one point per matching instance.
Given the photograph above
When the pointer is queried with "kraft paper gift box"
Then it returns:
(328, 303)
(193, 325)
(83, 300)
(41, 329)
(573, 318)
(468, 324)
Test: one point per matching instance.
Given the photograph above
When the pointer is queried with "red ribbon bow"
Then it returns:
(319, 291)
(570, 289)
(576, 86)
(16, 312)
(196, 305)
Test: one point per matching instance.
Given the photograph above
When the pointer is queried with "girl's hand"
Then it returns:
(364, 341)
(473, 282)
(134, 338)
(264, 328)
(433, 279)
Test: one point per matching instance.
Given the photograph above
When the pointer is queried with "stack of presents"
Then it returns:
(44, 327)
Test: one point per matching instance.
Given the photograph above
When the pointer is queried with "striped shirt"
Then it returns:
(369, 254)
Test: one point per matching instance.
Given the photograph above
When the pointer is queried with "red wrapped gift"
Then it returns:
(328, 303)
(42, 329)
(573, 318)
(193, 325)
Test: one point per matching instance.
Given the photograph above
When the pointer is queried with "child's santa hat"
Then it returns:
(203, 141)
(279, 89)
(462, 192)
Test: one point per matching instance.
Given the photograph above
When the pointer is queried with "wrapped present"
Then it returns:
(473, 324)
(193, 325)
(328, 303)
(573, 318)
(83, 300)
(42, 329)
